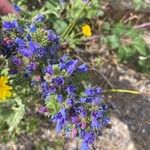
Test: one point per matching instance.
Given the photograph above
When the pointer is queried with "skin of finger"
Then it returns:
(6, 7)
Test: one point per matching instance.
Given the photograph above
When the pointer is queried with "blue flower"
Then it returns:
(80, 110)
(39, 18)
(97, 100)
(42, 110)
(106, 121)
(97, 114)
(49, 70)
(58, 81)
(89, 137)
(95, 123)
(59, 126)
(89, 91)
(20, 42)
(17, 8)
(17, 61)
(84, 146)
(32, 28)
(54, 48)
(70, 102)
(9, 25)
(98, 90)
(60, 98)
(71, 89)
(52, 36)
(71, 66)
(27, 50)
(31, 66)
(83, 68)
(60, 119)
(47, 90)
(86, 99)
(63, 58)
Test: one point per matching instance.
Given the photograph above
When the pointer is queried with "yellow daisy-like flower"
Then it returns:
(86, 30)
(5, 90)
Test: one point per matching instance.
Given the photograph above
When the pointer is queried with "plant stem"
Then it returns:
(72, 24)
(123, 91)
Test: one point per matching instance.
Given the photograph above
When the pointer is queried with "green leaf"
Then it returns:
(113, 41)
(140, 46)
(125, 53)
(60, 26)
(16, 116)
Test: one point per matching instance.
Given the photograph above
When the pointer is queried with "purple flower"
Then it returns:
(60, 98)
(71, 89)
(58, 81)
(20, 42)
(39, 18)
(49, 70)
(98, 90)
(60, 119)
(27, 50)
(83, 68)
(83, 125)
(31, 66)
(81, 111)
(89, 137)
(84, 146)
(42, 110)
(54, 48)
(62, 61)
(63, 112)
(86, 99)
(106, 121)
(70, 102)
(71, 66)
(75, 119)
(17, 8)
(93, 91)
(32, 28)
(63, 58)
(9, 25)
(74, 132)
(83, 99)
(13, 71)
(59, 126)
(95, 123)
(52, 36)
(89, 91)
(85, 1)
(97, 100)
(17, 61)
(46, 89)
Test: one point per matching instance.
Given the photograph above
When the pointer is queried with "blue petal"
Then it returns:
(84, 146)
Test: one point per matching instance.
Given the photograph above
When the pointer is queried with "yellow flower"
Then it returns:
(86, 30)
(4, 88)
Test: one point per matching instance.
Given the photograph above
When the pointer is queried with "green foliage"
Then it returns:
(60, 17)
(129, 44)
(11, 114)
(90, 11)
(138, 3)
(52, 104)
(40, 37)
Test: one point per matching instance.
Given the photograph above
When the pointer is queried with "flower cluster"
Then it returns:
(73, 105)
